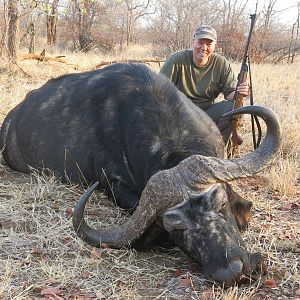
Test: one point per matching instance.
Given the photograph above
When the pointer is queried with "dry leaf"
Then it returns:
(207, 295)
(37, 251)
(286, 207)
(269, 218)
(85, 274)
(184, 282)
(104, 245)
(50, 291)
(69, 210)
(178, 272)
(120, 283)
(270, 283)
(287, 275)
(26, 284)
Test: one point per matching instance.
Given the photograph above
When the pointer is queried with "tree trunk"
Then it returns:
(31, 33)
(85, 23)
(52, 20)
(297, 25)
(4, 29)
(13, 28)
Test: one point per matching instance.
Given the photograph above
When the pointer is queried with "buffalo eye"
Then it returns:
(224, 204)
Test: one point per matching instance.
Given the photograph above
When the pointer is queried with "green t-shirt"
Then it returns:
(201, 84)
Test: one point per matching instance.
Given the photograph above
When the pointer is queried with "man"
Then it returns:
(202, 75)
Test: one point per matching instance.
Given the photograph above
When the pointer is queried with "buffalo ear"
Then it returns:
(242, 213)
(174, 219)
(240, 207)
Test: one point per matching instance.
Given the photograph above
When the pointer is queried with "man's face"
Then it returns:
(202, 50)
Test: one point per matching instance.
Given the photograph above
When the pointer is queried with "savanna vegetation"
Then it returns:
(110, 26)
(41, 257)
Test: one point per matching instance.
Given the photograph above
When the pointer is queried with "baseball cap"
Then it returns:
(205, 32)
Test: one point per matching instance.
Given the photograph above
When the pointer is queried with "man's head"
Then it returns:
(204, 42)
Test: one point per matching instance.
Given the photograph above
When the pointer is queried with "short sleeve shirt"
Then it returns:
(202, 84)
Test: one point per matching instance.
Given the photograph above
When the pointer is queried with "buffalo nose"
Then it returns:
(230, 274)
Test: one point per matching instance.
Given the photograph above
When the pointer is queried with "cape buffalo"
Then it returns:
(153, 151)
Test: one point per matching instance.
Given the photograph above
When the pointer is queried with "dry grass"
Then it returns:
(39, 249)
(276, 87)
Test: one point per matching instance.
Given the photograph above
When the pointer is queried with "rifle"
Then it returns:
(236, 139)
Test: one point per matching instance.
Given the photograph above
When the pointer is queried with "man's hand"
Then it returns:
(242, 89)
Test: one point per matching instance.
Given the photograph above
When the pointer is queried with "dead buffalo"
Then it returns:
(153, 151)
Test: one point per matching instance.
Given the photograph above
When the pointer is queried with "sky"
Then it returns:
(287, 9)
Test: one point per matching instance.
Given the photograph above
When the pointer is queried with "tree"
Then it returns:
(134, 11)
(177, 19)
(86, 14)
(52, 20)
(108, 25)
(294, 38)
(265, 29)
(233, 27)
(13, 28)
(31, 33)
(3, 26)
(268, 48)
